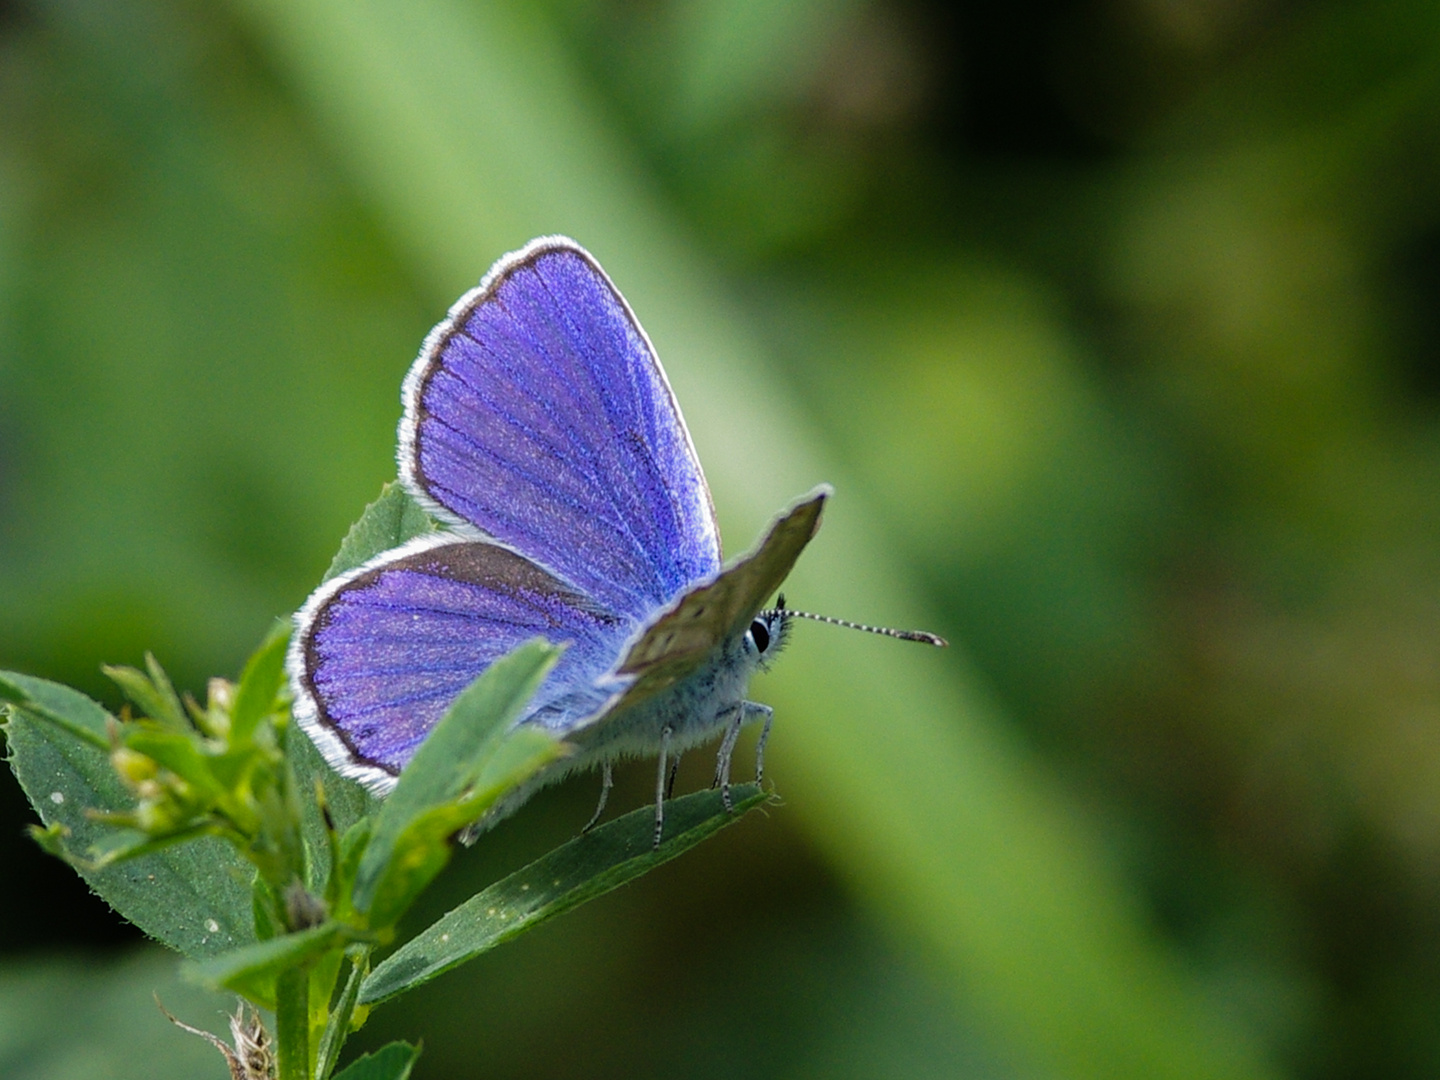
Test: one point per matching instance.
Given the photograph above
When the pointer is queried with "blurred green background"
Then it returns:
(1116, 324)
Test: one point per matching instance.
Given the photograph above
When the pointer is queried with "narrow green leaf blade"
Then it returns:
(581, 870)
(194, 897)
(392, 1062)
(253, 969)
(386, 523)
(175, 714)
(454, 754)
(518, 756)
(151, 693)
(337, 1027)
(425, 847)
(260, 684)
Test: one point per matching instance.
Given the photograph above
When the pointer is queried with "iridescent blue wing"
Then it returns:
(537, 414)
(380, 653)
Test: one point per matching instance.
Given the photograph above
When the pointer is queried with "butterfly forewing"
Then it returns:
(538, 414)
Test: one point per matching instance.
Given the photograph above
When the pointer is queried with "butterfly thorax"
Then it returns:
(695, 710)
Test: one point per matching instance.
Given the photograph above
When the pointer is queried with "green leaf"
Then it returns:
(348, 852)
(515, 760)
(267, 909)
(324, 975)
(337, 1027)
(194, 897)
(453, 755)
(174, 712)
(79, 726)
(581, 870)
(174, 751)
(386, 523)
(133, 845)
(151, 693)
(253, 969)
(260, 685)
(519, 756)
(392, 1062)
(347, 802)
(425, 847)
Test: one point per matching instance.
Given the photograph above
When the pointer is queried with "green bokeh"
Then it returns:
(1125, 365)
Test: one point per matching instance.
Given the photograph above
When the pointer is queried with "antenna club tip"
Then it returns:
(925, 638)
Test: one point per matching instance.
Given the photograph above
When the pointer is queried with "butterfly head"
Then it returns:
(768, 633)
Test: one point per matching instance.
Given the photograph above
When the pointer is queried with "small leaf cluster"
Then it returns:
(218, 770)
(218, 831)
(382, 863)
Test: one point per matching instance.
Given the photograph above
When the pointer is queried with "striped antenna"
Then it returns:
(904, 635)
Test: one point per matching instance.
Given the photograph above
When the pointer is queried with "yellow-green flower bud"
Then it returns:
(134, 767)
(156, 818)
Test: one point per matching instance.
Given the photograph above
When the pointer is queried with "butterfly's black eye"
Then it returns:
(761, 635)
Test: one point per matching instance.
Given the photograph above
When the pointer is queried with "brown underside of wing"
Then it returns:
(679, 641)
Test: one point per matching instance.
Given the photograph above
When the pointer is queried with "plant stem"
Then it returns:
(292, 1025)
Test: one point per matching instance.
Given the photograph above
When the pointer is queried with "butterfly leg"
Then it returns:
(769, 715)
(722, 760)
(670, 783)
(665, 734)
(607, 781)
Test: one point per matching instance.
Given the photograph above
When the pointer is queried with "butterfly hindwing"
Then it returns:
(382, 651)
(538, 414)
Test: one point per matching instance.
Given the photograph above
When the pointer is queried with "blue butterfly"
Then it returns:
(540, 428)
